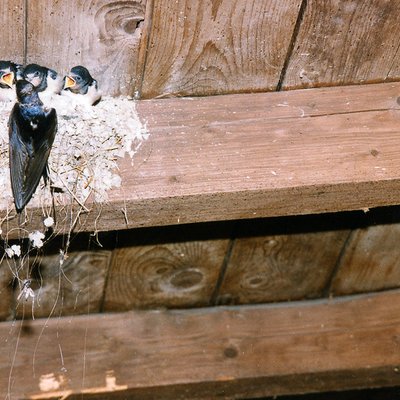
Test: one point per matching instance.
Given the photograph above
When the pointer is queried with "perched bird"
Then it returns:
(9, 73)
(81, 87)
(46, 81)
(32, 129)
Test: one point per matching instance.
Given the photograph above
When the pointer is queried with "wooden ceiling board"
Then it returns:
(343, 42)
(207, 47)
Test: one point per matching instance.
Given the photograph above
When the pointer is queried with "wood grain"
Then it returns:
(345, 42)
(371, 261)
(12, 19)
(288, 153)
(217, 47)
(280, 267)
(255, 155)
(209, 353)
(165, 275)
(76, 287)
(102, 35)
(6, 289)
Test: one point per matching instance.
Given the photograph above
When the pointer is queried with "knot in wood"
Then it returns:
(132, 24)
(123, 18)
(230, 352)
(186, 279)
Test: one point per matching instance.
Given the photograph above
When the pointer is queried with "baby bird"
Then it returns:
(9, 73)
(81, 87)
(32, 129)
(46, 81)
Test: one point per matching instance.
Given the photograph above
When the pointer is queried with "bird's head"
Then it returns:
(78, 79)
(37, 75)
(7, 74)
(7, 78)
(26, 92)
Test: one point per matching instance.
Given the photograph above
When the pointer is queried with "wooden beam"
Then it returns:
(257, 155)
(238, 352)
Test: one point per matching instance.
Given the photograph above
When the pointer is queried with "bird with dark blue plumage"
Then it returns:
(32, 129)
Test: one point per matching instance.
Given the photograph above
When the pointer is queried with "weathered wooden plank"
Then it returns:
(74, 287)
(280, 267)
(12, 20)
(209, 353)
(166, 267)
(102, 35)
(256, 155)
(371, 261)
(289, 153)
(345, 42)
(182, 274)
(217, 47)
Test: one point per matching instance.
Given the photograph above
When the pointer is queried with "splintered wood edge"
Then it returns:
(253, 155)
(252, 351)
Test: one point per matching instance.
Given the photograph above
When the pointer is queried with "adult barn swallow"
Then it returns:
(46, 81)
(9, 72)
(81, 83)
(32, 129)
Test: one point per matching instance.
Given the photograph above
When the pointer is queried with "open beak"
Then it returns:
(69, 82)
(8, 79)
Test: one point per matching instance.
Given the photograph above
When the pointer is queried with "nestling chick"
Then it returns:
(46, 81)
(9, 73)
(32, 129)
(81, 87)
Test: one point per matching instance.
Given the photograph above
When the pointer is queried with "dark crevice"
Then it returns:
(222, 272)
(352, 112)
(328, 286)
(293, 39)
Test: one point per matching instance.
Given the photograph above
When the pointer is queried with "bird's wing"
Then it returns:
(19, 155)
(46, 132)
(28, 158)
